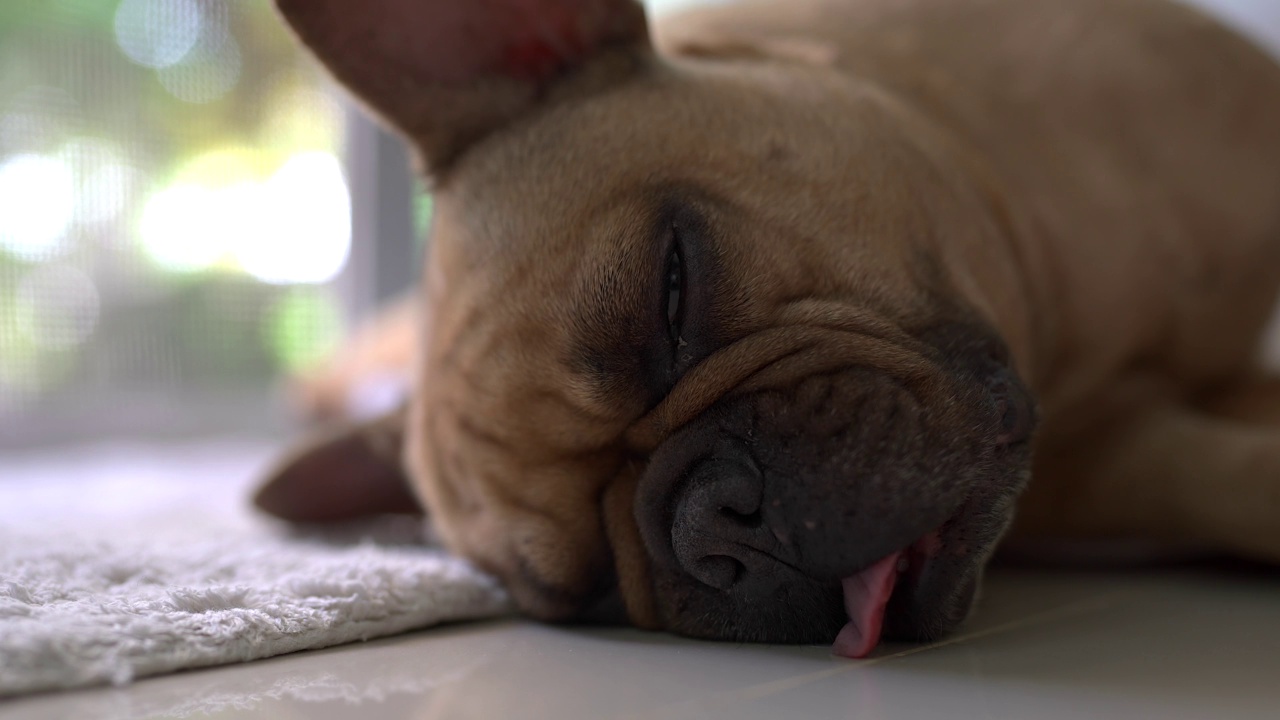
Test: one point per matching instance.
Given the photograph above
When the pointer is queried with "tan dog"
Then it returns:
(753, 327)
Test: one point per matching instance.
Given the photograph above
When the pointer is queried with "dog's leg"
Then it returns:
(1179, 473)
(1241, 504)
(368, 375)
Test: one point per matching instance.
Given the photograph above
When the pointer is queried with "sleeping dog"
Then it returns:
(768, 325)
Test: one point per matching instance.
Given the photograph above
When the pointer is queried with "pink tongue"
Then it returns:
(865, 596)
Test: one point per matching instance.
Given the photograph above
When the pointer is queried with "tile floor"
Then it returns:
(1176, 643)
(1190, 642)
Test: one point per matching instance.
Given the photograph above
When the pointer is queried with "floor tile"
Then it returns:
(1185, 643)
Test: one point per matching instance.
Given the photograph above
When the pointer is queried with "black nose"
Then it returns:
(717, 531)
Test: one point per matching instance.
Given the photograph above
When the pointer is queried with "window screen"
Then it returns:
(175, 217)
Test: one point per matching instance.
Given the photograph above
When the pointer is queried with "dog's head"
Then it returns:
(696, 334)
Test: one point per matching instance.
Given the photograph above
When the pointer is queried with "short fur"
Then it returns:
(911, 228)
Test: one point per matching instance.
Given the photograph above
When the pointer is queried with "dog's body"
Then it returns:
(899, 222)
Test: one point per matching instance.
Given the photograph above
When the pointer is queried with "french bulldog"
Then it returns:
(768, 325)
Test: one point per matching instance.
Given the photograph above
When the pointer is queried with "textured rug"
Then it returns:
(118, 563)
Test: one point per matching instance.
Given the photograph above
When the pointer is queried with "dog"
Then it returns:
(772, 324)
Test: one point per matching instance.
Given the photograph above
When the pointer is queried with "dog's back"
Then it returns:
(1133, 142)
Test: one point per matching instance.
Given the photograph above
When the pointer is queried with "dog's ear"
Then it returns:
(447, 72)
(356, 472)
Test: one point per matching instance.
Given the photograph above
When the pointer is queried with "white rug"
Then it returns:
(121, 563)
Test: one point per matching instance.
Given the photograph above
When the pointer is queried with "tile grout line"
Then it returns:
(1079, 607)
(763, 689)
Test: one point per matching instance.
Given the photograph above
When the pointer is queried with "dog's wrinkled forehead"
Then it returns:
(546, 290)
(559, 212)
(564, 156)
(549, 238)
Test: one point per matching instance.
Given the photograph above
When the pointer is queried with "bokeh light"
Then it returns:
(37, 202)
(302, 327)
(301, 114)
(158, 33)
(176, 229)
(209, 71)
(292, 228)
(103, 178)
(190, 225)
(302, 230)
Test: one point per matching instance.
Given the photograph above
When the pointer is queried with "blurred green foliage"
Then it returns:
(65, 79)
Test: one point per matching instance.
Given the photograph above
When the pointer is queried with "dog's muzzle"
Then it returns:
(822, 511)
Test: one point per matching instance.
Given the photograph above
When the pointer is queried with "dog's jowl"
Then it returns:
(770, 323)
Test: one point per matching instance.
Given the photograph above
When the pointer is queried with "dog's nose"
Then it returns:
(717, 530)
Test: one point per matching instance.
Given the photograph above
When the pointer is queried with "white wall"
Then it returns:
(659, 7)
(1258, 18)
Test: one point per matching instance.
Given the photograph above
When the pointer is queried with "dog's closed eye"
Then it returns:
(676, 290)
(688, 286)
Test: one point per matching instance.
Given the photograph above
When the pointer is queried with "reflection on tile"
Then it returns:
(1190, 643)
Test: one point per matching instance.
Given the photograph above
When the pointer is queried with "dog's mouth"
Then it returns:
(923, 590)
(868, 593)
(761, 517)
